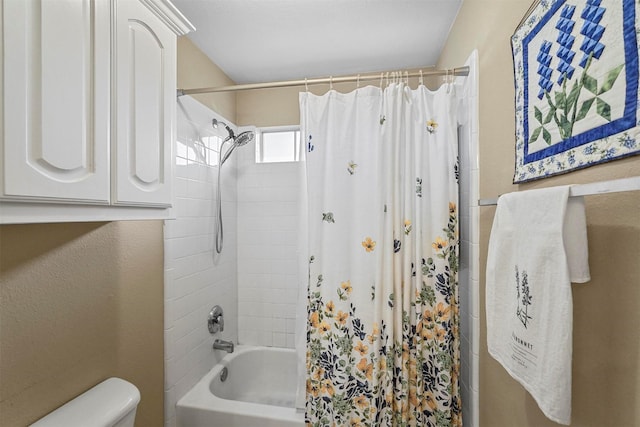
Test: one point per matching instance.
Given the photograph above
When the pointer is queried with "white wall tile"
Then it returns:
(195, 279)
(474, 261)
(291, 326)
(291, 341)
(279, 325)
(279, 339)
(475, 373)
(474, 296)
(469, 246)
(267, 249)
(170, 410)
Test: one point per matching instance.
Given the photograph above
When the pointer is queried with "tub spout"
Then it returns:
(223, 345)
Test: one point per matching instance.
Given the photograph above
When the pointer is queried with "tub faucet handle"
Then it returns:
(215, 321)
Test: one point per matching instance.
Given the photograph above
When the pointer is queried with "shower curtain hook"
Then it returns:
(358, 82)
(330, 82)
(306, 86)
(421, 78)
(381, 79)
(406, 77)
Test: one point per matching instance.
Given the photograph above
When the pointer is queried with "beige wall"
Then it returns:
(195, 70)
(79, 303)
(279, 107)
(275, 107)
(606, 350)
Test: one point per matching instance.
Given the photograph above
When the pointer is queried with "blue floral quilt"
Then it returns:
(576, 79)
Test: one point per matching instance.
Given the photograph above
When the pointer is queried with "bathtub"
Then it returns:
(259, 391)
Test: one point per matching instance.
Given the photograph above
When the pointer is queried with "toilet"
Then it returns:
(112, 403)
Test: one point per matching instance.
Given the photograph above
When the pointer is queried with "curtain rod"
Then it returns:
(603, 187)
(459, 71)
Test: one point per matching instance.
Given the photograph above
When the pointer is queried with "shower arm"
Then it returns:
(216, 122)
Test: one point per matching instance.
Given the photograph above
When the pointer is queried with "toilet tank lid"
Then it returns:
(101, 406)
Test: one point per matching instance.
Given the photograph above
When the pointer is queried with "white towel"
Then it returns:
(537, 247)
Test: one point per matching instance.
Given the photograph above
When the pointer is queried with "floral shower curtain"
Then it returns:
(382, 321)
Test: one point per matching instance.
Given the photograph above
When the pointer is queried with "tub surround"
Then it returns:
(469, 245)
(195, 278)
(190, 271)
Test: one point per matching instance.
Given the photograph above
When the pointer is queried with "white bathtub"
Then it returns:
(259, 391)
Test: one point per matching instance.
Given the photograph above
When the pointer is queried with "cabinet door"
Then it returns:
(145, 90)
(56, 100)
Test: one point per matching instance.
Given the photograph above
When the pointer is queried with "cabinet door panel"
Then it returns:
(146, 106)
(56, 100)
(145, 100)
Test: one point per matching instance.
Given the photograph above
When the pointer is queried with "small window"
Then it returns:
(278, 145)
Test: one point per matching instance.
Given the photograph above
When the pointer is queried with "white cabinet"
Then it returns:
(89, 95)
(56, 100)
(145, 90)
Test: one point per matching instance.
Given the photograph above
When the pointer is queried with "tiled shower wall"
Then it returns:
(469, 245)
(195, 280)
(268, 230)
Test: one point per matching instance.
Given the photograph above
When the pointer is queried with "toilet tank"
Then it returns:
(112, 403)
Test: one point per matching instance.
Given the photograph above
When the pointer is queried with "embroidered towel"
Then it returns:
(537, 247)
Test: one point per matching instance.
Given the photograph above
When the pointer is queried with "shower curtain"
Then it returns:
(382, 342)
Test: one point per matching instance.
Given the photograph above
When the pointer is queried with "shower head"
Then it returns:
(238, 141)
(244, 138)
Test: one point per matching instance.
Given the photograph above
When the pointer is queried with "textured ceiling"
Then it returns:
(272, 40)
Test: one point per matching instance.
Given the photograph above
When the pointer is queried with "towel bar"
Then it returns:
(602, 187)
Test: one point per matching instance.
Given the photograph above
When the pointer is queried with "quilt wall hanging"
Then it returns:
(576, 79)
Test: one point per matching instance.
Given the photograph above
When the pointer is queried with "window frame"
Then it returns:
(297, 148)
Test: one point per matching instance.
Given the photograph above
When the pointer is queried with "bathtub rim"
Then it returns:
(200, 397)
